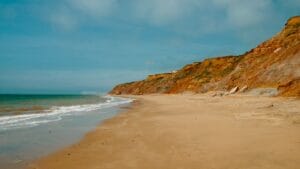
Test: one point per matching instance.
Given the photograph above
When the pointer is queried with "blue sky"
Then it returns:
(74, 46)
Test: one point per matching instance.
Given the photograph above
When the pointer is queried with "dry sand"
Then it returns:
(190, 132)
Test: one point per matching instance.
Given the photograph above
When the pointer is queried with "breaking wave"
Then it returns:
(56, 113)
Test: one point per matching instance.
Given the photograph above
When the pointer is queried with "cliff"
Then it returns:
(274, 63)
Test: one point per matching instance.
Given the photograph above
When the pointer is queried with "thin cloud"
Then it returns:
(194, 16)
(93, 8)
(63, 19)
(240, 13)
(71, 14)
(163, 12)
(243, 13)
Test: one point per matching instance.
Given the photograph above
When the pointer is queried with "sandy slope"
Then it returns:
(191, 132)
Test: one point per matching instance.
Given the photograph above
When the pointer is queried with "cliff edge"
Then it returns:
(274, 63)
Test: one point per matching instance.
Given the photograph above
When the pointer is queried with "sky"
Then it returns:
(88, 46)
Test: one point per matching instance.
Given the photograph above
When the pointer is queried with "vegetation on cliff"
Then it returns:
(274, 63)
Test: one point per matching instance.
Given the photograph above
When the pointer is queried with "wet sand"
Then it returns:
(190, 132)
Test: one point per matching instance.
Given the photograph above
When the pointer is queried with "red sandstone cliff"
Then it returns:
(274, 63)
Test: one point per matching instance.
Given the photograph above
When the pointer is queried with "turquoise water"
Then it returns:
(21, 104)
(32, 126)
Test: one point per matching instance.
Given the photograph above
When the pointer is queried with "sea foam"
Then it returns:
(56, 113)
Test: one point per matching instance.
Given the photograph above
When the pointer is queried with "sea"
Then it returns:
(33, 126)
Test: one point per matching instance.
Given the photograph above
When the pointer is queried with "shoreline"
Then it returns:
(190, 131)
(39, 134)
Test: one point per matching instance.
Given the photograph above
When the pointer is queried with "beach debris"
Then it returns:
(17, 161)
(276, 50)
(234, 90)
(243, 89)
(269, 106)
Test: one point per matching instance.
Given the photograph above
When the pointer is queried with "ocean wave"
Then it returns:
(56, 113)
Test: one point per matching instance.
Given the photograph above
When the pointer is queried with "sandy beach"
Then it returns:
(190, 132)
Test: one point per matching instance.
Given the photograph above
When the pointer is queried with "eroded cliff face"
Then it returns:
(274, 63)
